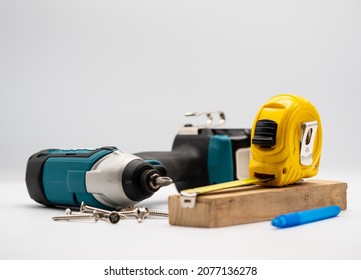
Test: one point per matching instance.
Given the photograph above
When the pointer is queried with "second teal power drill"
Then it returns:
(109, 178)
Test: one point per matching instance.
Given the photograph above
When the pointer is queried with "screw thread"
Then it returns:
(74, 217)
(158, 213)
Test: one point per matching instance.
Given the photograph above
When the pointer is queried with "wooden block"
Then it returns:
(255, 203)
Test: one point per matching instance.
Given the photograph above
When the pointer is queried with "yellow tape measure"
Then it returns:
(222, 186)
(188, 197)
(286, 141)
(286, 146)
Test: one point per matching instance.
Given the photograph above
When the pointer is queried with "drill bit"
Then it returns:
(162, 181)
(157, 181)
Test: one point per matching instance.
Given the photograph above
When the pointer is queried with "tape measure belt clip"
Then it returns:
(309, 130)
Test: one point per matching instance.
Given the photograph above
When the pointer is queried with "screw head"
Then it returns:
(82, 207)
(114, 217)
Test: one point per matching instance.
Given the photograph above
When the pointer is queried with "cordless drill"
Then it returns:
(110, 179)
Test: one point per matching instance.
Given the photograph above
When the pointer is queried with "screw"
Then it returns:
(158, 213)
(111, 216)
(141, 213)
(68, 211)
(133, 212)
(144, 212)
(89, 209)
(69, 217)
(87, 212)
(114, 217)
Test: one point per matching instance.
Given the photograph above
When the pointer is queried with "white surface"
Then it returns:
(28, 232)
(86, 74)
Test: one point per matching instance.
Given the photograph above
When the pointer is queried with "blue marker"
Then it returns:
(307, 216)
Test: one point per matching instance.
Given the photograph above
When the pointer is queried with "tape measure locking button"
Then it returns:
(265, 133)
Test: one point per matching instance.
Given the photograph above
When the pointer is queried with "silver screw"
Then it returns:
(144, 212)
(141, 213)
(87, 212)
(84, 216)
(158, 213)
(89, 209)
(68, 211)
(133, 212)
(111, 216)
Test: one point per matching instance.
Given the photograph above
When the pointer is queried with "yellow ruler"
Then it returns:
(189, 196)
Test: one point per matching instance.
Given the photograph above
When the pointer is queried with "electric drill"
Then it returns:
(109, 178)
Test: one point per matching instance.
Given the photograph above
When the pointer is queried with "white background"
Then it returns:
(85, 74)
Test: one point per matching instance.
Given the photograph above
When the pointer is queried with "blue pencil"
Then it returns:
(307, 216)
